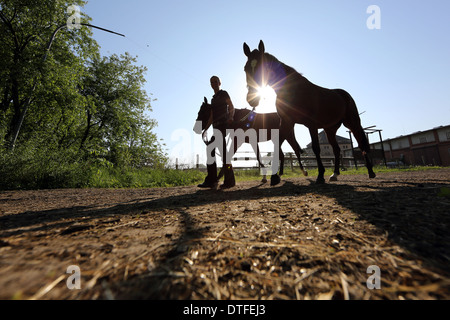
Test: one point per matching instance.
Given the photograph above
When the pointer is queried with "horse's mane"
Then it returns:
(288, 69)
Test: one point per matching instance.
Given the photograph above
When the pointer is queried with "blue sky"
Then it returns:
(398, 74)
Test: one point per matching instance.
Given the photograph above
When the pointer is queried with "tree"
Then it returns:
(25, 30)
(115, 109)
(84, 107)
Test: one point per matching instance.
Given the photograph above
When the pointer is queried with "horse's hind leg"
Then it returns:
(369, 166)
(363, 144)
(353, 122)
(331, 135)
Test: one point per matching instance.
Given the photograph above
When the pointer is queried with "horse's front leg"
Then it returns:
(316, 148)
(277, 140)
(281, 162)
(337, 160)
(275, 178)
(261, 165)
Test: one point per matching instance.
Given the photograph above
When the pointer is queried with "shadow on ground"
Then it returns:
(414, 215)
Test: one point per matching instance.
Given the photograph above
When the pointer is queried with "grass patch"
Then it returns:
(53, 175)
(144, 178)
(57, 175)
(160, 178)
(254, 174)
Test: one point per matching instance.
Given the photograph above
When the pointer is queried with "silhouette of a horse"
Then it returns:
(300, 101)
(246, 119)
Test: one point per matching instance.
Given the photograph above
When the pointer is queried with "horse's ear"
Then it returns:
(261, 47)
(206, 100)
(246, 49)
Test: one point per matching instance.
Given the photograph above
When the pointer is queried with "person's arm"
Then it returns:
(209, 123)
(230, 109)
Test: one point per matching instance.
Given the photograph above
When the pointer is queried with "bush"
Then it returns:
(32, 168)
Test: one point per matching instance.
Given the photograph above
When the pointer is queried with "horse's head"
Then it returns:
(203, 118)
(262, 69)
(255, 72)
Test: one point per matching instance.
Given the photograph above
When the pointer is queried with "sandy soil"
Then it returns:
(297, 240)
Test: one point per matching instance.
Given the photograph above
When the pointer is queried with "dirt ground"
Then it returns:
(297, 240)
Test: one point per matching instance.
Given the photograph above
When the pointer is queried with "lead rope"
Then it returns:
(248, 115)
(205, 137)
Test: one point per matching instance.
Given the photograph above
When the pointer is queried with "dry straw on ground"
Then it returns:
(294, 241)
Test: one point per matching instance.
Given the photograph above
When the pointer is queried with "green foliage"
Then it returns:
(33, 166)
(30, 167)
(115, 113)
(87, 113)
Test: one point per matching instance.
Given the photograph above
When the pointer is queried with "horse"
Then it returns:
(246, 119)
(301, 101)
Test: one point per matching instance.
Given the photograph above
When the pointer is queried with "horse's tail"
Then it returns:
(352, 120)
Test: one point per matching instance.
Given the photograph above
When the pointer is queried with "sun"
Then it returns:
(267, 101)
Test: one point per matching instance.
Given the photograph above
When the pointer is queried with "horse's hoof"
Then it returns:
(333, 178)
(320, 181)
(274, 180)
(305, 173)
(372, 175)
(264, 180)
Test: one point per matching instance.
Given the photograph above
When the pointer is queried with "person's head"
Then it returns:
(215, 83)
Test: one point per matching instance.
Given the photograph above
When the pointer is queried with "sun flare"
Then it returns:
(267, 101)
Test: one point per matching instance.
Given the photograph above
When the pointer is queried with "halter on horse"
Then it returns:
(300, 101)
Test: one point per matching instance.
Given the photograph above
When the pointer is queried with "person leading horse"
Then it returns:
(222, 117)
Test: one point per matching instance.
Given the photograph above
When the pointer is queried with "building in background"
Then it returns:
(326, 150)
(423, 148)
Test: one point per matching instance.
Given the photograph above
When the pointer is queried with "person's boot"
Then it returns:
(221, 174)
(230, 181)
(211, 179)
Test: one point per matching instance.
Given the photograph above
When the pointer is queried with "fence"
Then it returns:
(308, 161)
